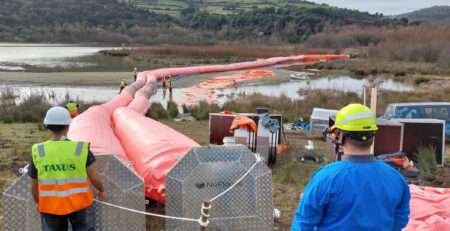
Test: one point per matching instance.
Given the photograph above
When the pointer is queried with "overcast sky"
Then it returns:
(387, 7)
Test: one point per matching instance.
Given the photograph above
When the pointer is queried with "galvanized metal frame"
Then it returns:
(123, 187)
(207, 171)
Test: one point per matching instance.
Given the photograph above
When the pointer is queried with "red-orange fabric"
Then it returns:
(430, 209)
(154, 148)
(243, 122)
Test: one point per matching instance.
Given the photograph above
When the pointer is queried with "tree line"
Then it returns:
(119, 22)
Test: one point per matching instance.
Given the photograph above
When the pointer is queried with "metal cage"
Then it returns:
(207, 171)
(123, 187)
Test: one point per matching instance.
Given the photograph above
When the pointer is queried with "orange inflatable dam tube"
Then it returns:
(159, 73)
(95, 126)
(152, 147)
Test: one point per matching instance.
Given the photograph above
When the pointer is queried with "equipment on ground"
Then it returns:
(205, 174)
(419, 133)
(123, 186)
(389, 137)
(310, 154)
(266, 141)
(403, 164)
(422, 110)
(319, 119)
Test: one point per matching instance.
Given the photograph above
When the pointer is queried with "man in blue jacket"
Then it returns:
(359, 192)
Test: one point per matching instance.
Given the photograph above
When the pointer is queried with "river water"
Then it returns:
(293, 89)
(16, 56)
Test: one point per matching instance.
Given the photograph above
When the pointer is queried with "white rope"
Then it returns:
(258, 159)
(148, 214)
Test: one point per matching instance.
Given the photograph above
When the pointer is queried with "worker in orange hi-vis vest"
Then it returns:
(61, 173)
(73, 108)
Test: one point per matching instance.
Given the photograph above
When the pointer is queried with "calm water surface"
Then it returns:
(16, 56)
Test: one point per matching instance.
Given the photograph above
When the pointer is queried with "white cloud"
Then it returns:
(387, 7)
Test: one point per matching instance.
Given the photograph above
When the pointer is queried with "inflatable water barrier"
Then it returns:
(152, 149)
(120, 126)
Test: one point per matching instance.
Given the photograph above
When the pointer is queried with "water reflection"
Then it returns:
(14, 55)
(292, 89)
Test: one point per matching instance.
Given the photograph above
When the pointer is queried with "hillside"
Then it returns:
(174, 7)
(196, 22)
(435, 14)
(73, 20)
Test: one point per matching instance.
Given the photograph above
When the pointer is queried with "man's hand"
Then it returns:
(101, 195)
(34, 190)
(96, 181)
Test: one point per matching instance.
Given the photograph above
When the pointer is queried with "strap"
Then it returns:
(41, 150)
(79, 148)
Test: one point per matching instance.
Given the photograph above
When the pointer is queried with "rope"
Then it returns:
(199, 221)
(258, 159)
(148, 214)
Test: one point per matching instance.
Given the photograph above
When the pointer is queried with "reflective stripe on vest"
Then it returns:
(63, 183)
(64, 193)
(41, 150)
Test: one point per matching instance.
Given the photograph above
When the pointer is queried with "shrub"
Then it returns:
(202, 110)
(157, 112)
(172, 109)
(421, 80)
(186, 109)
(30, 109)
(426, 162)
(291, 109)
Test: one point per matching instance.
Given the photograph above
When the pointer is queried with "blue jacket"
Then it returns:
(358, 193)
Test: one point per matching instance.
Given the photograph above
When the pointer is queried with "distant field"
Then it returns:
(173, 7)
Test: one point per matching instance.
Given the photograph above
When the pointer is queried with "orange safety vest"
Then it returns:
(73, 109)
(64, 186)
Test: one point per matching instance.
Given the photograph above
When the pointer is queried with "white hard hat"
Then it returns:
(57, 116)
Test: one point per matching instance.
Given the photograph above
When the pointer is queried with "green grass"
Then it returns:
(15, 151)
(197, 130)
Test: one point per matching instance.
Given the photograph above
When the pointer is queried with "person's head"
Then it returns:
(57, 120)
(355, 128)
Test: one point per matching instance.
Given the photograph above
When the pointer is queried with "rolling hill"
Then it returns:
(174, 7)
(172, 21)
(436, 14)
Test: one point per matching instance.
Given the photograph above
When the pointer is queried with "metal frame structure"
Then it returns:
(204, 173)
(123, 188)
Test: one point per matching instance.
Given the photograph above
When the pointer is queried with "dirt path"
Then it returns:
(113, 78)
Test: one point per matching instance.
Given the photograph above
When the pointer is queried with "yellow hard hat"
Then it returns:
(355, 118)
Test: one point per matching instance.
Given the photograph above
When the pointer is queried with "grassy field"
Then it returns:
(289, 175)
(15, 151)
(174, 7)
(65, 78)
